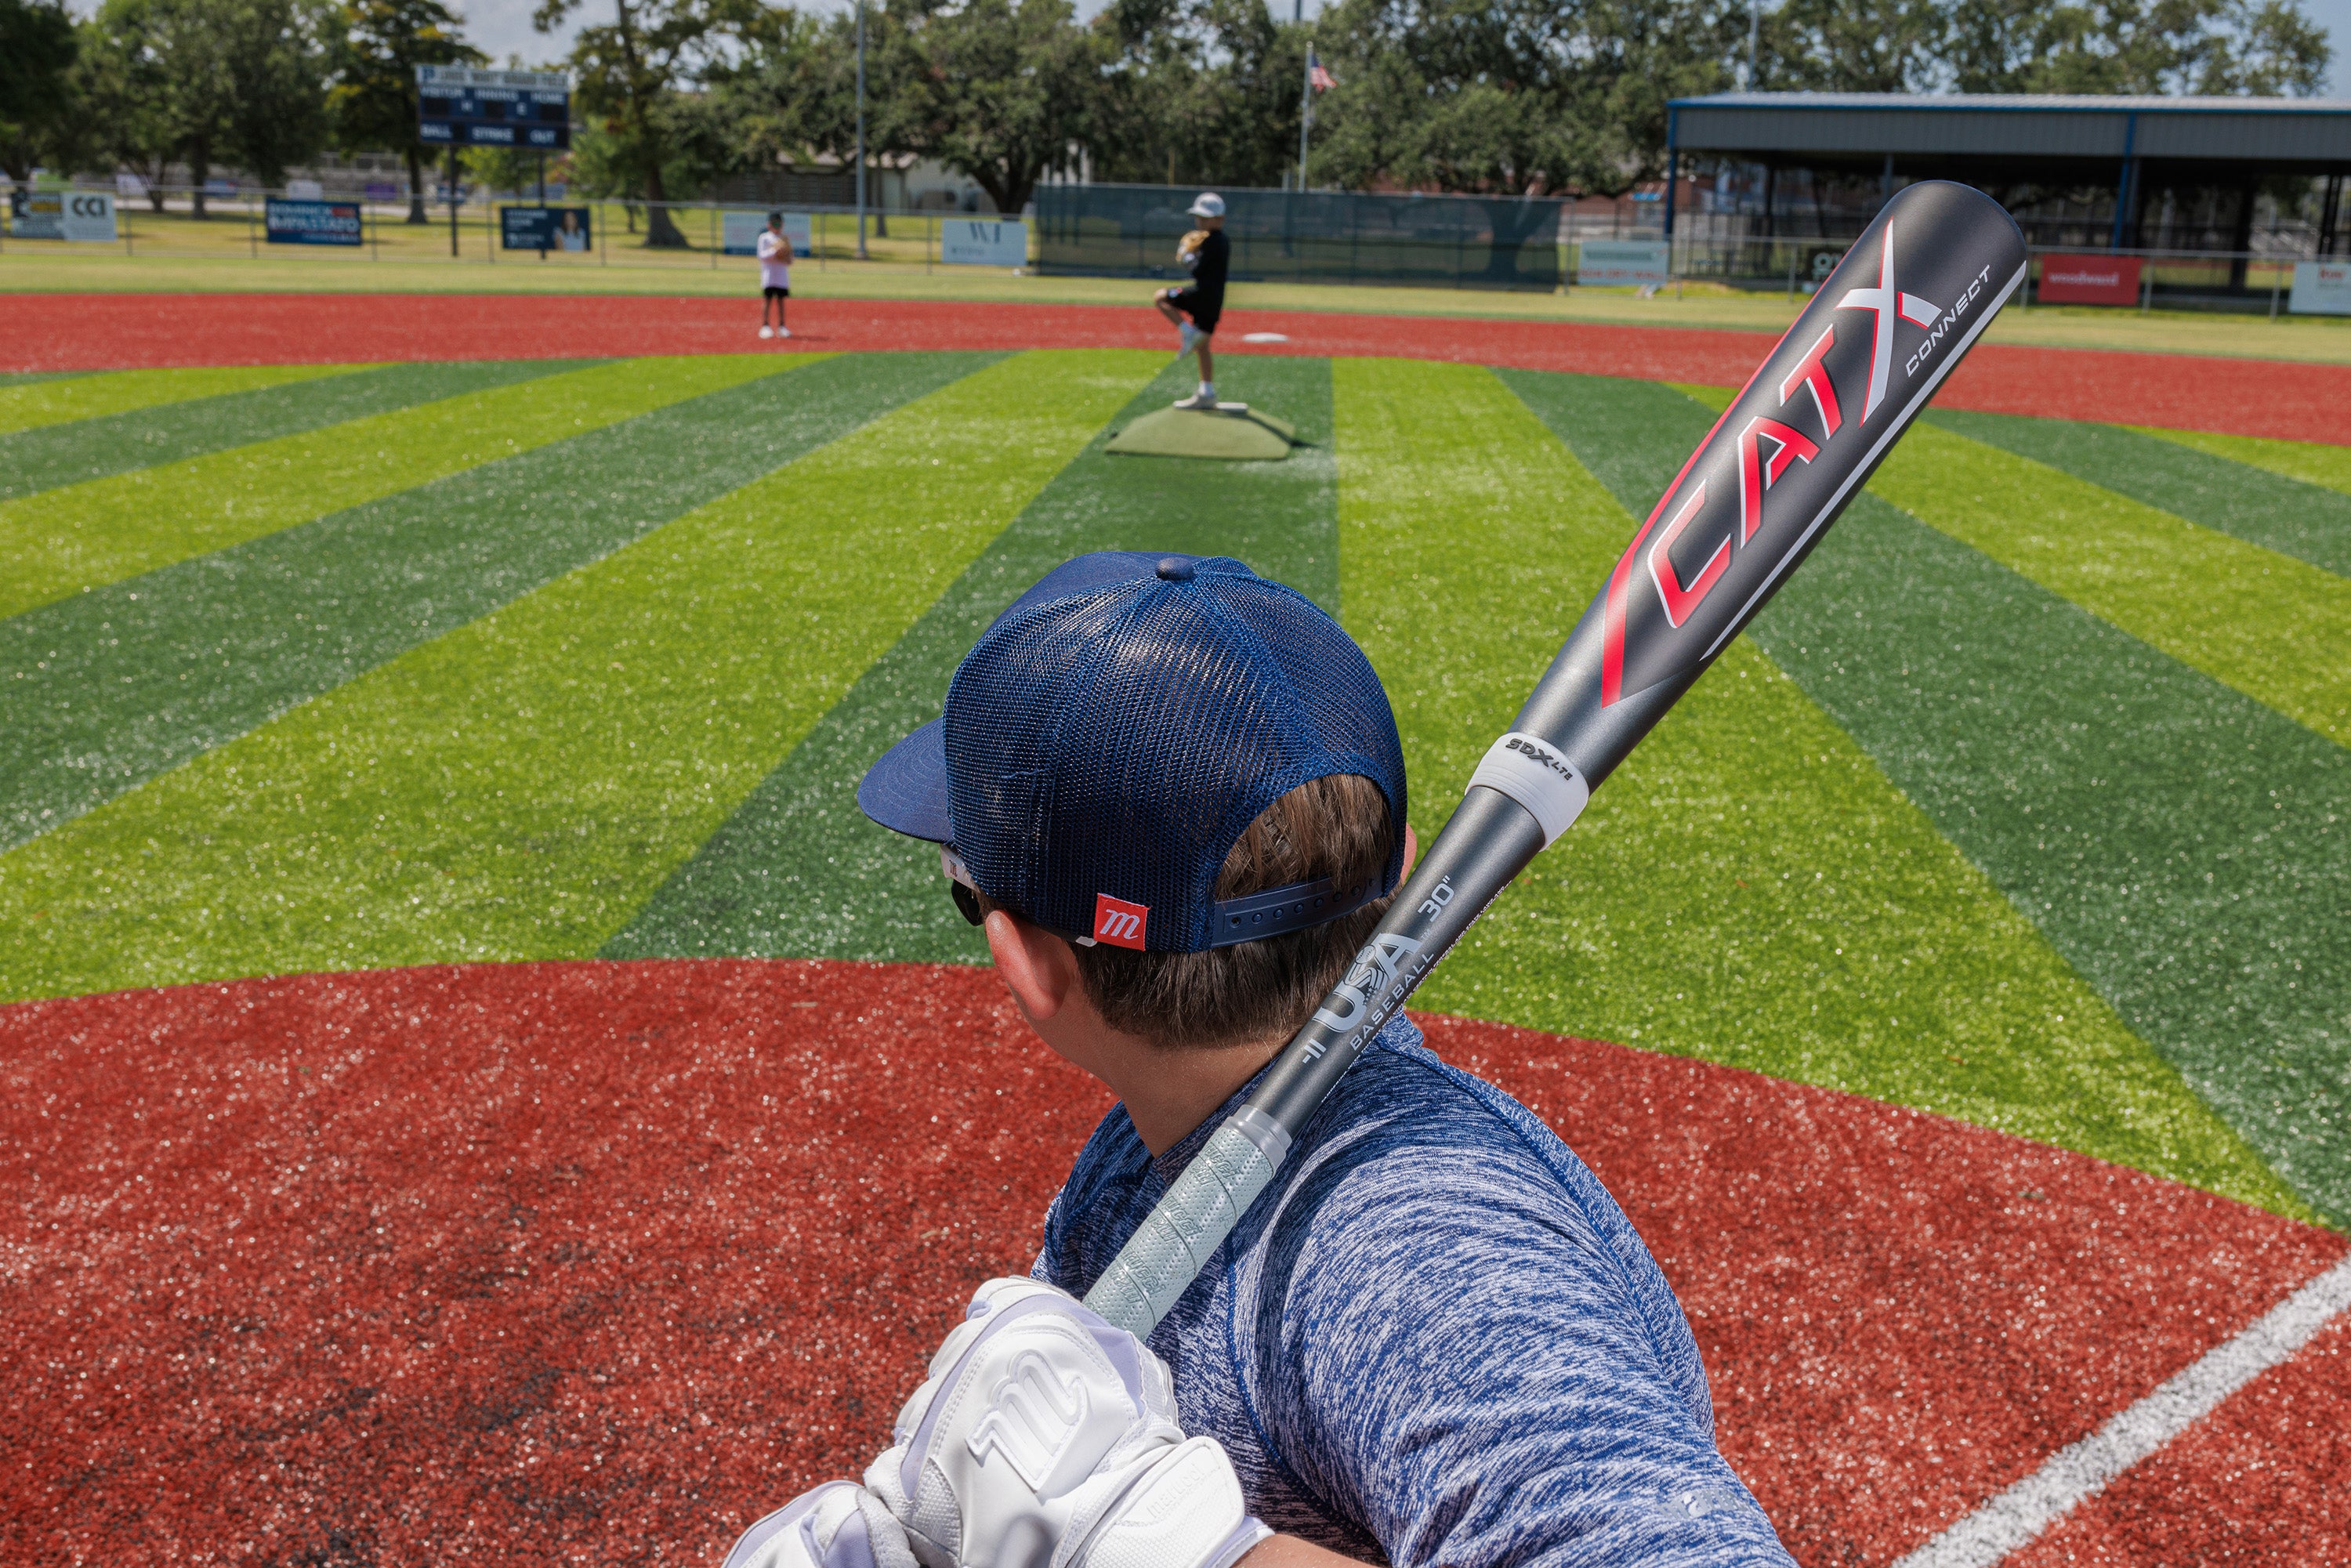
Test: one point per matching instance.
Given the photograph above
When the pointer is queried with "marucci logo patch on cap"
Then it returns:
(1119, 923)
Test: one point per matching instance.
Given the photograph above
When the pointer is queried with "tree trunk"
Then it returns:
(416, 213)
(200, 168)
(661, 232)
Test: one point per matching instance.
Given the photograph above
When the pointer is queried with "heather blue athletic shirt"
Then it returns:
(1436, 1337)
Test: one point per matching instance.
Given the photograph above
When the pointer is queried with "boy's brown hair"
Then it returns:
(1336, 827)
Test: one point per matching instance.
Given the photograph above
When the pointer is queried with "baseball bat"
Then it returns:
(1811, 426)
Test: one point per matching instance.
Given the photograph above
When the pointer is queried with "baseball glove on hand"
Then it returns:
(1046, 1439)
(1187, 250)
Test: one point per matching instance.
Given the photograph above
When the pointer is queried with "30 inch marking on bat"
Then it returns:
(1812, 424)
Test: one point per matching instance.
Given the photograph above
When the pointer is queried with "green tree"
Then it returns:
(276, 59)
(128, 124)
(632, 74)
(37, 45)
(998, 91)
(373, 102)
(1200, 89)
(1855, 46)
(1513, 98)
(2215, 46)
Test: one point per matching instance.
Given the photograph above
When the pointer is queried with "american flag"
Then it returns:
(1316, 75)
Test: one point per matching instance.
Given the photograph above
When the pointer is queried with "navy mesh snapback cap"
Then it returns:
(1114, 731)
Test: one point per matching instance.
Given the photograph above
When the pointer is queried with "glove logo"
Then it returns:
(1032, 1419)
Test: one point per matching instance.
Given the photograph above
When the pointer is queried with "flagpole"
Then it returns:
(1305, 107)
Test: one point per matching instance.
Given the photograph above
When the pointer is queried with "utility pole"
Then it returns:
(860, 130)
(1754, 26)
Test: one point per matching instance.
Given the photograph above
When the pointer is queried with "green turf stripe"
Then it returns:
(2279, 513)
(800, 872)
(516, 788)
(2181, 846)
(105, 690)
(2311, 462)
(69, 540)
(2275, 628)
(37, 403)
(1749, 887)
(37, 460)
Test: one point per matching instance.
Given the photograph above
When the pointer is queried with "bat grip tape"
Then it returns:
(1529, 771)
(1171, 1247)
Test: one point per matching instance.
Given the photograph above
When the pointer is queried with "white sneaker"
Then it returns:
(767, 331)
(1197, 399)
(783, 331)
(1189, 336)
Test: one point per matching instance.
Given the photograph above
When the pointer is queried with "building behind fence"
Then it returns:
(1288, 237)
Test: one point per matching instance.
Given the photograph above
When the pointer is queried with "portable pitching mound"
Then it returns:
(1229, 433)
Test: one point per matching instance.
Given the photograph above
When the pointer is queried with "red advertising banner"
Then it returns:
(2089, 279)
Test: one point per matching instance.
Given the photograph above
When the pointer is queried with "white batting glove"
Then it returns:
(838, 1525)
(1046, 1439)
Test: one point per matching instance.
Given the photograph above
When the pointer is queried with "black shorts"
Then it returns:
(1202, 310)
(774, 292)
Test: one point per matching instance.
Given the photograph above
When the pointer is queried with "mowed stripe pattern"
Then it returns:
(602, 676)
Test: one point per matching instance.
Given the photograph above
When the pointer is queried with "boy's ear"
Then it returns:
(1038, 966)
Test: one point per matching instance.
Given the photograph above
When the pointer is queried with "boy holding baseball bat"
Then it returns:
(1173, 794)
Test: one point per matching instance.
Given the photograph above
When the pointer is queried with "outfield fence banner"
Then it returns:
(1608, 263)
(546, 228)
(2321, 288)
(1312, 236)
(2072, 278)
(288, 221)
(81, 217)
(983, 241)
(740, 232)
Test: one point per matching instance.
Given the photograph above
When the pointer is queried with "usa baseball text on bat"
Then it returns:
(1811, 426)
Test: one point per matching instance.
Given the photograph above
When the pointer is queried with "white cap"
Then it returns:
(1209, 204)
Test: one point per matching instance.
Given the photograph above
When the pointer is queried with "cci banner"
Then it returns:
(85, 218)
(984, 241)
(2321, 288)
(1614, 263)
(311, 223)
(739, 233)
(2089, 279)
(545, 228)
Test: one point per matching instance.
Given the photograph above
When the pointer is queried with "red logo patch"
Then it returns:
(1119, 923)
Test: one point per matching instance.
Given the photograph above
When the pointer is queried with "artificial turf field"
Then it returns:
(474, 1086)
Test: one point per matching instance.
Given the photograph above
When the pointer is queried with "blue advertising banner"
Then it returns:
(312, 222)
(545, 228)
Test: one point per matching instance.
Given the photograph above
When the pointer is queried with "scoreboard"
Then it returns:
(465, 105)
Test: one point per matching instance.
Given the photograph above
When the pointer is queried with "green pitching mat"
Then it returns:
(1229, 433)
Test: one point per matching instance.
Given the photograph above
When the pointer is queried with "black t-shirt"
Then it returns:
(1208, 275)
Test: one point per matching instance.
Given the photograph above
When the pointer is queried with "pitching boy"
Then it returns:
(1173, 794)
(1203, 298)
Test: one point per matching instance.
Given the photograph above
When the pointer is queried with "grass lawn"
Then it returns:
(2023, 804)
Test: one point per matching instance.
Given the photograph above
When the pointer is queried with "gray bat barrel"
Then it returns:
(1910, 298)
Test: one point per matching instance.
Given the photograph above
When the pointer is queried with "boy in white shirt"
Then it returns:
(775, 275)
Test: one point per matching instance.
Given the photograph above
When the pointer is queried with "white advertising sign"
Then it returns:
(86, 216)
(738, 233)
(2321, 288)
(1607, 263)
(984, 241)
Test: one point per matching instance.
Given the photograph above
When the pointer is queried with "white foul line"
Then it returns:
(2071, 1475)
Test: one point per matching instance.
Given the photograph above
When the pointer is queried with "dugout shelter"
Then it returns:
(2075, 169)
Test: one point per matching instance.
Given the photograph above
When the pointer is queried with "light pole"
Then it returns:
(1754, 26)
(860, 130)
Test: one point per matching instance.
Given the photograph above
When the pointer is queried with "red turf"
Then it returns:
(115, 331)
(554, 1262)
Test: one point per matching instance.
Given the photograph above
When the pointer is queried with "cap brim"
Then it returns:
(906, 791)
